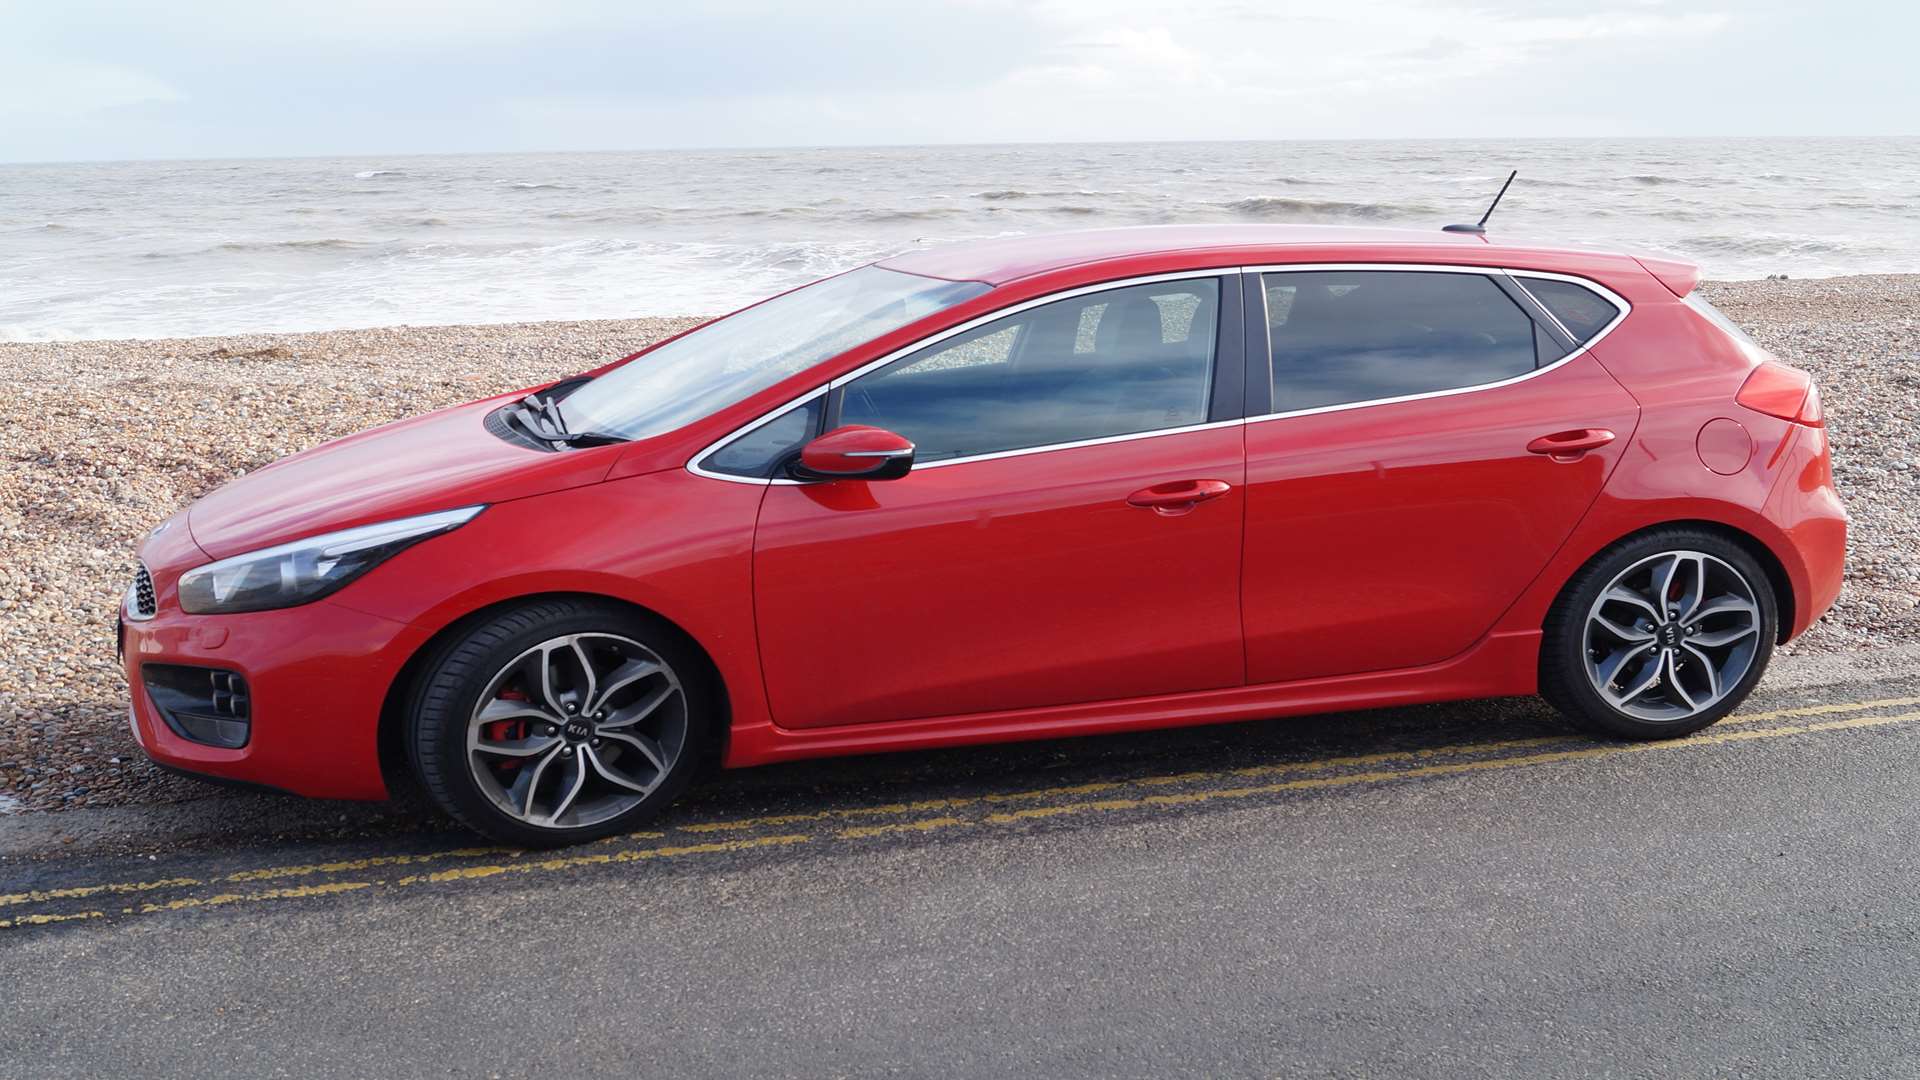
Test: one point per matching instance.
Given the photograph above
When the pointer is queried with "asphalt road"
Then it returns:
(1449, 891)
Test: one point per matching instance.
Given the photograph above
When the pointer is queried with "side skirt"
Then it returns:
(1502, 665)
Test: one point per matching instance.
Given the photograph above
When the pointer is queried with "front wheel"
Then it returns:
(1659, 636)
(558, 722)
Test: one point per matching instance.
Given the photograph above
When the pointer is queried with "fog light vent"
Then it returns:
(140, 600)
(206, 705)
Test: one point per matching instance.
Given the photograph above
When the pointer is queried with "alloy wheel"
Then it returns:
(577, 730)
(1671, 636)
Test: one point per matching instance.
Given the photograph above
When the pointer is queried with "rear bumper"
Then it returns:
(318, 676)
(1807, 510)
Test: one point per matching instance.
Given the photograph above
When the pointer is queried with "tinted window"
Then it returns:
(1359, 335)
(1126, 360)
(760, 452)
(1581, 310)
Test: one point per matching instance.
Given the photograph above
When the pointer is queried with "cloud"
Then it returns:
(53, 90)
(94, 78)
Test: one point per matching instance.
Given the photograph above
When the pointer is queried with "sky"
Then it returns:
(88, 80)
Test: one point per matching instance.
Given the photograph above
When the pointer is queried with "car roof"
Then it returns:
(1009, 258)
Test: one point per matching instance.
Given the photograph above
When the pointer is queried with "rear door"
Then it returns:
(1431, 443)
(1070, 532)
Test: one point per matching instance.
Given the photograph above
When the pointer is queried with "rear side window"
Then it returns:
(1346, 336)
(1581, 310)
(1118, 362)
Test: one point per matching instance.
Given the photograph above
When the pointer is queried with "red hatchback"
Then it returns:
(1014, 489)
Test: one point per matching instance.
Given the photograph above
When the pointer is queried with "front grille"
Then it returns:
(140, 601)
(207, 705)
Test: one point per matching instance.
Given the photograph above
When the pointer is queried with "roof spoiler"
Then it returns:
(1678, 276)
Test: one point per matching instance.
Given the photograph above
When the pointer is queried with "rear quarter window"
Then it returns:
(1582, 311)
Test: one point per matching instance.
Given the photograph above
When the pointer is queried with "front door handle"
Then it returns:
(1178, 496)
(1569, 445)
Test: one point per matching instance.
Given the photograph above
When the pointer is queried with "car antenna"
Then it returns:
(1479, 228)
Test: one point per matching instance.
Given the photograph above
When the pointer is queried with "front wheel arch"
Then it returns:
(395, 768)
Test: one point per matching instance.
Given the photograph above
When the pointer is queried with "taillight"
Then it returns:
(1782, 391)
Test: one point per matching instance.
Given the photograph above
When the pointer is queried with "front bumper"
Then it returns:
(318, 676)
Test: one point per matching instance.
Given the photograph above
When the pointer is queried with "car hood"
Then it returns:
(439, 461)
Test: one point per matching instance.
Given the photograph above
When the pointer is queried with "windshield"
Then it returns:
(746, 352)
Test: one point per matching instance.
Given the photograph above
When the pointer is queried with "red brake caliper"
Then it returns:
(505, 730)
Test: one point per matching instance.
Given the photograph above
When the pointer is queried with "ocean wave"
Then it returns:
(1015, 193)
(604, 216)
(1278, 206)
(1773, 246)
(529, 185)
(373, 174)
(325, 243)
(931, 213)
(1652, 179)
(1900, 206)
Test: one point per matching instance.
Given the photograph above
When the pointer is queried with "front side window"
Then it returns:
(760, 453)
(746, 352)
(1346, 336)
(1117, 362)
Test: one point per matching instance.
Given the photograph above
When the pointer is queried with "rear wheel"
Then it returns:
(561, 721)
(1659, 636)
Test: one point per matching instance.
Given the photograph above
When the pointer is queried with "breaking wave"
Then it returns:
(1277, 206)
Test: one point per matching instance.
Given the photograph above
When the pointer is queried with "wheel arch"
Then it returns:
(1777, 577)
(396, 768)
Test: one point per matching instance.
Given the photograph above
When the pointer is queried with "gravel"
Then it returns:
(1860, 337)
(106, 438)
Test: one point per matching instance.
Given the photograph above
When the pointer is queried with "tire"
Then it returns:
(560, 721)
(1613, 664)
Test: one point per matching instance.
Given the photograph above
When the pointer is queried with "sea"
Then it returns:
(186, 248)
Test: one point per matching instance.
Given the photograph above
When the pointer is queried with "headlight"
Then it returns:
(309, 569)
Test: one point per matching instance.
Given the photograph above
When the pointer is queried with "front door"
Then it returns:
(1401, 497)
(1070, 532)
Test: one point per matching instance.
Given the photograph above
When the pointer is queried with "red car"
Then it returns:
(1015, 489)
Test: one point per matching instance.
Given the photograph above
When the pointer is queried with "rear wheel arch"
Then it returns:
(396, 768)
(1762, 553)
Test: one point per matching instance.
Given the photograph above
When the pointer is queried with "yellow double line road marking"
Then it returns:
(1278, 768)
(1188, 798)
(464, 873)
(1733, 729)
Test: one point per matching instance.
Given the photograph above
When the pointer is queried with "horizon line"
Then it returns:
(796, 147)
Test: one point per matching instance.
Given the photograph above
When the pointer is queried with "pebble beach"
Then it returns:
(106, 438)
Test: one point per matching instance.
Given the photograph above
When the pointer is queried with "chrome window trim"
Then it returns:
(1131, 436)
(1619, 302)
(693, 465)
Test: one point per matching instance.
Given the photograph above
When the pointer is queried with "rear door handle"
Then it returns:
(1569, 445)
(1178, 496)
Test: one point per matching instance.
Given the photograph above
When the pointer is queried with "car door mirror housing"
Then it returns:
(855, 452)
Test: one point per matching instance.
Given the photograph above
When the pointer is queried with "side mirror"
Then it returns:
(855, 452)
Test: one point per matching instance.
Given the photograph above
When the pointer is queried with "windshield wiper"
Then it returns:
(551, 426)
